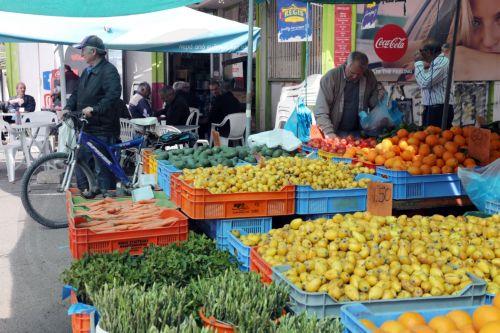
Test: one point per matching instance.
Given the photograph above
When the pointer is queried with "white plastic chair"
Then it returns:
(126, 130)
(237, 127)
(43, 142)
(194, 117)
(10, 149)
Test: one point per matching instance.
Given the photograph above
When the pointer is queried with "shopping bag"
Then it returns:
(66, 136)
(482, 184)
(384, 116)
(300, 121)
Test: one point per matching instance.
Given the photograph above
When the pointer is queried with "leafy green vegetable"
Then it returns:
(306, 323)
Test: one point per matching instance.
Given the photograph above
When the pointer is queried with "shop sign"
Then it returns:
(294, 25)
(390, 43)
(369, 16)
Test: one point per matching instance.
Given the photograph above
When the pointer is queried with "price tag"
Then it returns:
(216, 138)
(479, 144)
(260, 159)
(379, 200)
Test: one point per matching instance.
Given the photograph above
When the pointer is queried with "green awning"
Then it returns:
(90, 8)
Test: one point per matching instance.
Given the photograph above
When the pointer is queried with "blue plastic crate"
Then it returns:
(347, 160)
(407, 186)
(322, 305)
(165, 172)
(351, 314)
(239, 250)
(309, 201)
(312, 152)
(492, 207)
(221, 229)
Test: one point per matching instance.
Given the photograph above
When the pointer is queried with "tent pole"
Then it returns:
(62, 76)
(450, 67)
(249, 70)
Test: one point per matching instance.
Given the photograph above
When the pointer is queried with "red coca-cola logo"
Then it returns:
(390, 43)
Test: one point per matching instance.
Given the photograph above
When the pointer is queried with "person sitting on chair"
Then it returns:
(139, 106)
(223, 104)
(176, 109)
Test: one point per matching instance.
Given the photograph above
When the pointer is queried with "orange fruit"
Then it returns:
(403, 144)
(420, 135)
(424, 149)
(447, 169)
(368, 324)
(440, 163)
(402, 133)
(468, 329)
(394, 140)
(425, 169)
(379, 160)
(465, 131)
(393, 326)
(389, 154)
(442, 141)
(491, 327)
(430, 160)
(389, 163)
(496, 301)
(433, 129)
(372, 154)
(422, 329)
(442, 324)
(460, 318)
(456, 130)
(447, 134)
(411, 319)
(414, 170)
(469, 163)
(451, 147)
(460, 140)
(407, 155)
(438, 150)
(460, 157)
(413, 141)
(431, 140)
(447, 155)
(435, 170)
(452, 162)
(485, 314)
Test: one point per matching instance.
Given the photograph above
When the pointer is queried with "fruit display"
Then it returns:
(483, 319)
(276, 173)
(191, 158)
(356, 257)
(341, 145)
(431, 151)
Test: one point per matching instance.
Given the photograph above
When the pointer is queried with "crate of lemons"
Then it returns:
(271, 175)
(359, 257)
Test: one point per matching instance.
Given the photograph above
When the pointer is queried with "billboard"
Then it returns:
(478, 43)
(293, 25)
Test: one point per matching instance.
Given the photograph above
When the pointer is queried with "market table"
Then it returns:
(28, 143)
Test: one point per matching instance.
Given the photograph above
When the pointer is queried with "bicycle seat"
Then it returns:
(149, 121)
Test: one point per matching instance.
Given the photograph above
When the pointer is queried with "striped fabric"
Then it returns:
(433, 80)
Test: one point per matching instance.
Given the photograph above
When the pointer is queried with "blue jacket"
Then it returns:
(141, 110)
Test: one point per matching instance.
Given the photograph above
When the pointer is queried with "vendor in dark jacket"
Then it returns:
(223, 104)
(96, 95)
(176, 108)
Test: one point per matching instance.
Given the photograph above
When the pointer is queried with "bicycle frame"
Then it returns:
(108, 155)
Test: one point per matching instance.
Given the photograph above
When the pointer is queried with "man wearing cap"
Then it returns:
(96, 95)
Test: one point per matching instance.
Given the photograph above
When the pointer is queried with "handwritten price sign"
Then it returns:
(216, 138)
(479, 144)
(379, 200)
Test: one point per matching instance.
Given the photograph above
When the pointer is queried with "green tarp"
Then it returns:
(90, 8)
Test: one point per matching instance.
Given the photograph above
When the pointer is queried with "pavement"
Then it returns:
(31, 259)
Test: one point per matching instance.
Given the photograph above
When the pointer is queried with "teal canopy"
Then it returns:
(335, 2)
(89, 8)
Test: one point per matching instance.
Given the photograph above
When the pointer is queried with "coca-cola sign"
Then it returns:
(390, 43)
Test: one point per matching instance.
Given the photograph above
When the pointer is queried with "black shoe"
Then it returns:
(88, 194)
(106, 194)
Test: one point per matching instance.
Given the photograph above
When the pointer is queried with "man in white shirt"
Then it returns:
(431, 73)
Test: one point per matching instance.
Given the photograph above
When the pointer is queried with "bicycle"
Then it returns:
(44, 185)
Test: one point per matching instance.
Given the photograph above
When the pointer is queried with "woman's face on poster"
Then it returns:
(486, 25)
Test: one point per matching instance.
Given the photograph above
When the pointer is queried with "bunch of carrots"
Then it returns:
(110, 215)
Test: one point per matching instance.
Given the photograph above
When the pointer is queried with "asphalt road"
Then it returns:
(31, 260)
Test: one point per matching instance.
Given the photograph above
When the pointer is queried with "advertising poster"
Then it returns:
(343, 33)
(478, 39)
(292, 21)
(369, 16)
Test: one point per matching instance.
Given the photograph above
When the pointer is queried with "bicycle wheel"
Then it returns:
(41, 192)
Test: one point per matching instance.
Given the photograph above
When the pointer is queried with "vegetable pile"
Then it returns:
(110, 215)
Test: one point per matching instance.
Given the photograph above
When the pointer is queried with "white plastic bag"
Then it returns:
(275, 138)
(482, 184)
(66, 137)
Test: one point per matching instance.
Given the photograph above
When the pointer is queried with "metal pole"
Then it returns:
(249, 70)
(450, 67)
(62, 76)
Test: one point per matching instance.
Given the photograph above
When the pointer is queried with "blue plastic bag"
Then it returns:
(482, 184)
(300, 121)
(382, 117)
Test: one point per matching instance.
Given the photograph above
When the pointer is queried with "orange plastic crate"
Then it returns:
(83, 240)
(153, 164)
(201, 204)
(146, 156)
(175, 190)
(80, 323)
(258, 265)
